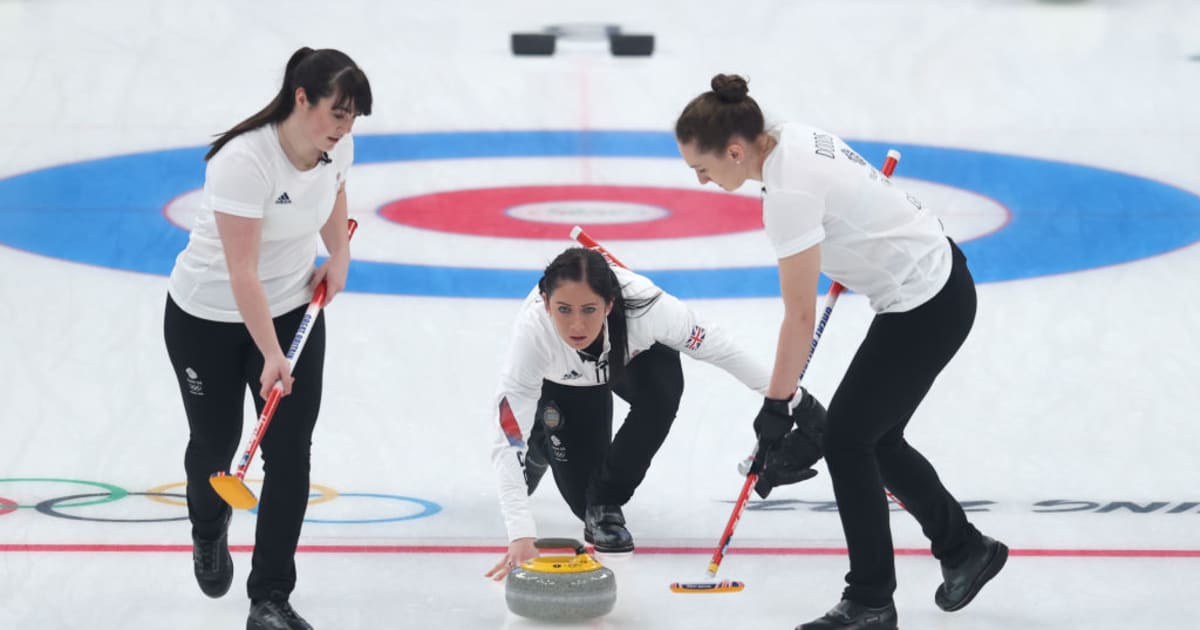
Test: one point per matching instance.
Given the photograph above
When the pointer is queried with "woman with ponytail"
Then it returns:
(586, 331)
(274, 184)
(826, 209)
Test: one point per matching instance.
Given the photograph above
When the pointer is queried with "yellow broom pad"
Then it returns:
(233, 490)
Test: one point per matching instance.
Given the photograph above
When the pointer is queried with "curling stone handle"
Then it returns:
(560, 543)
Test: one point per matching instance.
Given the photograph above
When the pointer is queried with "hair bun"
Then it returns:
(730, 88)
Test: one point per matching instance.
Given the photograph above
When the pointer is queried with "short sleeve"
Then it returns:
(792, 219)
(237, 184)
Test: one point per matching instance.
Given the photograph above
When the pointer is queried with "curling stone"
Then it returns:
(561, 588)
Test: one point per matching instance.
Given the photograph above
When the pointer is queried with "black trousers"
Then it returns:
(574, 425)
(215, 363)
(865, 449)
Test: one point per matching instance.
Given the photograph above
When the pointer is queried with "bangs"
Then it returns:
(352, 92)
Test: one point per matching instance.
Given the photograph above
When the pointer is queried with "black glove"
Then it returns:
(789, 462)
(773, 422)
(790, 459)
(774, 477)
(810, 417)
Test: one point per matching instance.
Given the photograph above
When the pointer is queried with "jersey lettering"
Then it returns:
(824, 145)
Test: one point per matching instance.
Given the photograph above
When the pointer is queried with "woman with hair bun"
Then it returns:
(274, 183)
(825, 209)
(589, 330)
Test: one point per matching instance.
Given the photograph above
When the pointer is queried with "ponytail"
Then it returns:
(320, 73)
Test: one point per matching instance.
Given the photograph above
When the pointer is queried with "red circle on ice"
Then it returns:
(608, 212)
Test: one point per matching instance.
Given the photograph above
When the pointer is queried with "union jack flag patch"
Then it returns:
(697, 338)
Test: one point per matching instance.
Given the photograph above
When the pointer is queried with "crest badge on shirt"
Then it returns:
(551, 416)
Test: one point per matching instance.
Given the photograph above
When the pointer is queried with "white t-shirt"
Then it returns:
(252, 177)
(536, 352)
(875, 238)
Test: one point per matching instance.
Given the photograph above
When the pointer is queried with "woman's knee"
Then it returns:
(845, 436)
(892, 446)
(292, 454)
(664, 406)
(212, 446)
(655, 373)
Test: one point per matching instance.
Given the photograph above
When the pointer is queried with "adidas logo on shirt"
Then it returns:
(283, 199)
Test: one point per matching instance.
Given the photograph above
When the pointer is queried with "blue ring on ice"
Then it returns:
(1065, 217)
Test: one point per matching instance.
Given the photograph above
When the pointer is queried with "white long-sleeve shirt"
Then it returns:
(537, 353)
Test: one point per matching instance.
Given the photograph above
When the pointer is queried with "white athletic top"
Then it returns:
(536, 352)
(875, 238)
(252, 177)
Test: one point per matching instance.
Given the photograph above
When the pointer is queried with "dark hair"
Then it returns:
(585, 265)
(714, 117)
(321, 73)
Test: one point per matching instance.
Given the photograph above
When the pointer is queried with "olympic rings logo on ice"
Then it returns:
(74, 506)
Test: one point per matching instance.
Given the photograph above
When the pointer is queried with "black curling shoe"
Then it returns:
(275, 615)
(848, 615)
(211, 562)
(604, 527)
(962, 583)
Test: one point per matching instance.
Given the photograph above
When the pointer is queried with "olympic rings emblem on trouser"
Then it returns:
(161, 494)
